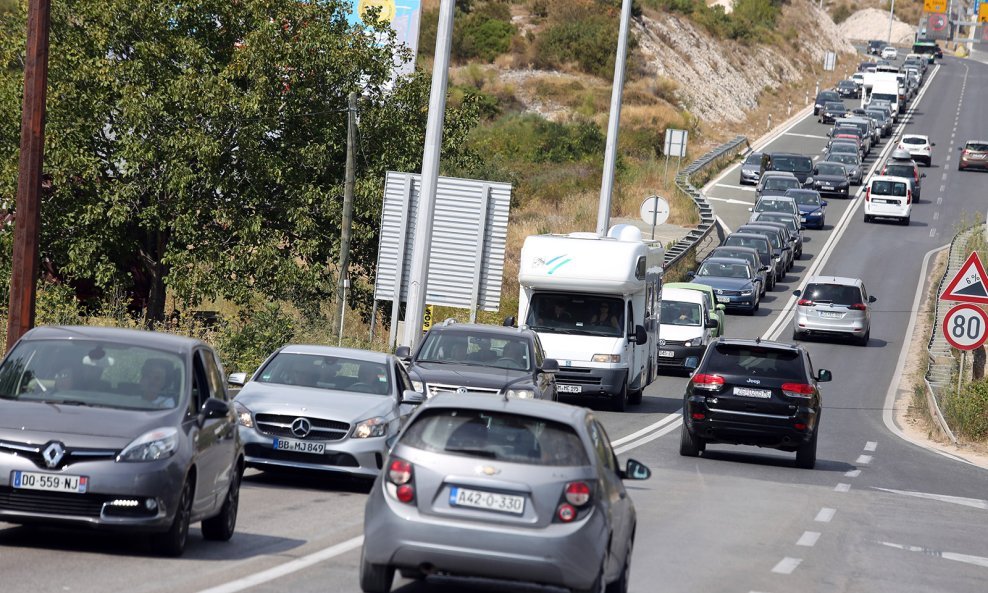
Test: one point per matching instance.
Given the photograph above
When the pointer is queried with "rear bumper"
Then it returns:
(749, 428)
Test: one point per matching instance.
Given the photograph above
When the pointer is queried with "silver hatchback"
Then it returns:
(501, 488)
(832, 305)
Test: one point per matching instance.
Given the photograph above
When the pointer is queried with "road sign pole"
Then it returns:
(613, 123)
(960, 374)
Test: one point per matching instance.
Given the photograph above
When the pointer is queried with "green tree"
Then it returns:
(201, 145)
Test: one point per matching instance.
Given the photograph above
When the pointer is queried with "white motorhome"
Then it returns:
(594, 301)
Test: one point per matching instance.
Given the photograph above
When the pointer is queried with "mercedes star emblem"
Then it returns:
(301, 427)
(53, 454)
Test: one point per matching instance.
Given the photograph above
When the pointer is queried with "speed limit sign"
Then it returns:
(966, 327)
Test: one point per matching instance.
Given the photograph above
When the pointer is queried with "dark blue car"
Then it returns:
(812, 207)
(735, 284)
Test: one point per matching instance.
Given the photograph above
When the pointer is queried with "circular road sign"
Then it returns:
(937, 22)
(655, 210)
(966, 326)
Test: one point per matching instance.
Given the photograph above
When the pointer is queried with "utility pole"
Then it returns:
(891, 15)
(27, 221)
(614, 123)
(419, 273)
(348, 182)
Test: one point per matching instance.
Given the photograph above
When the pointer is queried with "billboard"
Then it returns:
(935, 6)
(404, 16)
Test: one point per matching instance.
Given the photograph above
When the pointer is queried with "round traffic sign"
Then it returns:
(937, 22)
(655, 210)
(966, 327)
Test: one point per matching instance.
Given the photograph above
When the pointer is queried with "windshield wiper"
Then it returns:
(67, 402)
(475, 452)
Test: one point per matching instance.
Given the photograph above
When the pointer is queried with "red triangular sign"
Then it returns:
(970, 285)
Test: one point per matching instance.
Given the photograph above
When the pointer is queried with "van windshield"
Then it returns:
(680, 313)
(885, 97)
(581, 314)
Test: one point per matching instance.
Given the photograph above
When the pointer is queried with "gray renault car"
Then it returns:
(324, 408)
(501, 488)
(119, 430)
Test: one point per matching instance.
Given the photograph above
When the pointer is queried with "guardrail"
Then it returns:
(708, 222)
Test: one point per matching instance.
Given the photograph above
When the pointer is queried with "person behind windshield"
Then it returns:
(558, 316)
(687, 315)
(605, 317)
(154, 378)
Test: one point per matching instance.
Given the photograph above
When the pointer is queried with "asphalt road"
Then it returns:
(877, 514)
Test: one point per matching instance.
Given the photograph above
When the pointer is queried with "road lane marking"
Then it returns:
(853, 473)
(967, 502)
(677, 422)
(731, 201)
(808, 539)
(814, 136)
(871, 445)
(729, 186)
(647, 429)
(933, 233)
(863, 460)
(843, 488)
(825, 515)
(276, 572)
(965, 558)
(786, 565)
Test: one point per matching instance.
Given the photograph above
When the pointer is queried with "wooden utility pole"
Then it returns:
(27, 219)
(347, 224)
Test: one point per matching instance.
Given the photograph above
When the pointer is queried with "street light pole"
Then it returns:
(891, 14)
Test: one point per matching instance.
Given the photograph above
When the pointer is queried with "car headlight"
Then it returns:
(746, 291)
(816, 213)
(244, 416)
(612, 358)
(372, 427)
(521, 393)
(153, 445)
(809, 179)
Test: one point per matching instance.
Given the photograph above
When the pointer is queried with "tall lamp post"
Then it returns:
(891, 15)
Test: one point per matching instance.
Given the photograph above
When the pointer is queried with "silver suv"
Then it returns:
(832, 305)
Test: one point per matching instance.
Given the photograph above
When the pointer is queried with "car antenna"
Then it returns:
(758, 340)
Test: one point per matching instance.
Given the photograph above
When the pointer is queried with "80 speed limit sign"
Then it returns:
(966, 327)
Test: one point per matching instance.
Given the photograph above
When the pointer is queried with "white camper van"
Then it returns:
(594, 301)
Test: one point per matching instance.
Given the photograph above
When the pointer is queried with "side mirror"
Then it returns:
(403, 352)
(691, 274)
(752, 209)
(237, 379)
(823, 376)
(721, 307)
(509, 321)
(823, 202)
(550, 365)
(922, 175)
(691, 362)
(797, 292)
(640, 336)
(712, 324)
(214, 408)
(764, 268)
(872, 299)
(635, 470)
(411, 397)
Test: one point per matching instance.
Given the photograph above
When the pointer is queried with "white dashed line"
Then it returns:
(740, 187)
(863, 459)
(871, 445)
(843, 488)
(808, 539)
(939, 200)
(825, 515)
(933, 233)
(786, 565)
(936, 215)
(853, 473)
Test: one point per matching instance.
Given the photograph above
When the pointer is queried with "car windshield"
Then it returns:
(830, 169)
(754, 158)
(838, 294)
(978, 146)
(780, 183)
(582, 314)
(461, 347)
(835, 107)
(319, 371)
(766, 205)
(736, 359)
(913, 140)
(828, 96)
(680, 312)
(93, 373)
(748, 256)
(792, 163)
(499, 436)
(876, 114)
(724, 270)
(847, 84)
(900, 171)
(807, 198)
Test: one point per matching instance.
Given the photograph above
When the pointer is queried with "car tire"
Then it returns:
(905, 221)
(221, 527)
(375, 578)
(797, 335)
(867, 218)
(620, 403)
(621, 584)
(635, 397)
(690, 445)
(806, 453)
(863, 340)
(172, 542)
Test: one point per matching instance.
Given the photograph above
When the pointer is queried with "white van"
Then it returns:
(686, 326)
(888, 197)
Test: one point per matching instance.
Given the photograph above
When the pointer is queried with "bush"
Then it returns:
(588, 42)
(245, 343)
(840, 13)
(481, 31)
(535, 139)
(967, 414)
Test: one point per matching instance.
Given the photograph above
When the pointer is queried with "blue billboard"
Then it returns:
(404, 17)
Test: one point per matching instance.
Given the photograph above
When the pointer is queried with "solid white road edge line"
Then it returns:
(965, 558)
(974, 503)
(643, 431)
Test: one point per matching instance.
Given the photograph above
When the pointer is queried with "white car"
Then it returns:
(888, 197)
(889, 53)
(919, 147)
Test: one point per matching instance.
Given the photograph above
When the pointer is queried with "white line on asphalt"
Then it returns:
(287, 568)
(863, 459)
(825, 515)
(871, 446)
(729, 186)
(678, 421)
(786, 565)
(936, 215)
(967, 502)
(852, 474)
(965, 558)
(731, 201)
(808, 539)
(815, 136)
(943, 188)
(645, 430)
(933, 233)
(843, 488)
(939, 200)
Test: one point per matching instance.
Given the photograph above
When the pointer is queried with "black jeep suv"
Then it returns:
(468, 357)
(753, 392)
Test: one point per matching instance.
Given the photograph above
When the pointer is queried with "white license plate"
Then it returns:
(749, 392)
(667, 354)
(721, 299)
(830, 315)
(569, 388)
(488, 501)
(299, 446)
(49, 482)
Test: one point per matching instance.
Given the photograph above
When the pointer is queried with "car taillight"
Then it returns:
(400, 472)
(566, 513)
(859, 307)
(909, 196)
(797, 389)
(805, 303)
(867, 194)
(707, 382)
(577, 493)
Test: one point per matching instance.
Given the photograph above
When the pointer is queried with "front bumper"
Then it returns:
(592, 381)
(560, 554)
(750, 177)
(833, 191)
(674, 356)
(359, 457)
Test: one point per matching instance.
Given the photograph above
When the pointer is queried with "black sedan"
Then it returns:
(830, 179)
(848, 90)
(832, 111)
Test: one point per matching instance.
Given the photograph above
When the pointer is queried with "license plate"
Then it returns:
(826, 187)
(299, 446)
(49, 482)
(722, 299)
(488, 501)
(667, 354)
(830, 315)
(749, 392)
(569, 388)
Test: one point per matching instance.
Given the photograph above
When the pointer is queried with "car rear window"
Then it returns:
(792, 163)
(979, 146)
(900, 170)
(838, 294)
(496, 435)
(736, 359)
(888, 188)
(907, 140)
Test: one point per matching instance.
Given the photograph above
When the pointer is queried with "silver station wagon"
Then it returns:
(118, 429)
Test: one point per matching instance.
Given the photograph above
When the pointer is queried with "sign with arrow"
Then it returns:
(970, 284)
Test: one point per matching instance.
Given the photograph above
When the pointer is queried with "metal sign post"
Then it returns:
(656, 211)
